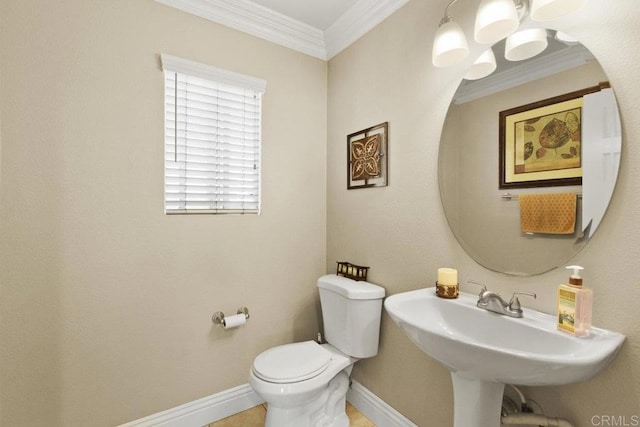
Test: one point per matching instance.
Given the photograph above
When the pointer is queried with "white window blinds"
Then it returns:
(212, 139)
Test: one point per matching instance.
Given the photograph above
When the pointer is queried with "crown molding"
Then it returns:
(357, 21)
(251, 18)
(259, 21)
(535, 69)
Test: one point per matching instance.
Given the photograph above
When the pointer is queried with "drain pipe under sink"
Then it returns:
(528, 419)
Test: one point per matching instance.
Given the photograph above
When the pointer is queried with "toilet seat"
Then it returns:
(292, 363)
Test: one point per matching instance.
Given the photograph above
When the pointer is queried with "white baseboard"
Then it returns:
(376, 409)
(203, 411)
(229, 402)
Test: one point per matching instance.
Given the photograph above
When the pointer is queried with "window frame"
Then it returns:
(173, 67)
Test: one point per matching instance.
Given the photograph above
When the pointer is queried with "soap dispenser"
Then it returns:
(574, 305)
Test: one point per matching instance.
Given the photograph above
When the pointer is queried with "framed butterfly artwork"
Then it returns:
(540, 144)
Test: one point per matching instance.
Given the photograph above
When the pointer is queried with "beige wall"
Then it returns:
(402, 233)
(106, 302)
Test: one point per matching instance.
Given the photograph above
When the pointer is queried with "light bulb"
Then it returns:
(546, 10)
(566, 38)
(450, 45)
(495, 20)
(484, 65)
(525, 44)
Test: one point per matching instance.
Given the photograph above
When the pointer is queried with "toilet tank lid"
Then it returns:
(350, 288)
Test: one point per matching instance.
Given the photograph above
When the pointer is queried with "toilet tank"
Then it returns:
(351, 312)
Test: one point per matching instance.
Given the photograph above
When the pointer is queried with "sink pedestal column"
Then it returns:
(476, 403)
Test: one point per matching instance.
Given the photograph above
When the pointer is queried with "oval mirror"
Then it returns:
(495, 148)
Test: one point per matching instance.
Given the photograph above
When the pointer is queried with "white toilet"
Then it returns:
(305, 384)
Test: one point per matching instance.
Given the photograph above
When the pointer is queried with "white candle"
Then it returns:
(448, 276)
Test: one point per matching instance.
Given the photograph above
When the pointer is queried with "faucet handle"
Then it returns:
(484, 288)
(514, 304)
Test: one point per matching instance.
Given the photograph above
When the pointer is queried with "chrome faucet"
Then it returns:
(492, 301)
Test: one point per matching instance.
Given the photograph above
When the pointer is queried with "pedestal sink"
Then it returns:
(485, 350)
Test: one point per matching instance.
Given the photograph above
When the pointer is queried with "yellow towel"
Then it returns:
(548, 213)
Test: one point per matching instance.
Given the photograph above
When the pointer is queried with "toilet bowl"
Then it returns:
(298, 387)
(305, 384)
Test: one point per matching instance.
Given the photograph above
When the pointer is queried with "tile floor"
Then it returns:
(254, 417)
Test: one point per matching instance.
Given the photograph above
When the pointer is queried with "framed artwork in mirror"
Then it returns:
(540, 143)
(367, 157)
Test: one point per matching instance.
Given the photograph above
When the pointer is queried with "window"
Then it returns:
(212, 139)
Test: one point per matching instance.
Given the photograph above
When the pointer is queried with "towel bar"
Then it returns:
(509, 196)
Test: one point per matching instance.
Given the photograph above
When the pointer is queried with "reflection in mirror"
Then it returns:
(485, 221)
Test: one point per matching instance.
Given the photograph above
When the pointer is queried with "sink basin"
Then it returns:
(485, 350)
(488, 346)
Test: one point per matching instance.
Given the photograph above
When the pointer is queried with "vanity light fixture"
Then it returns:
(496, 20)
(450, 44)
(484, 65)
(525, 44)
(547, 10)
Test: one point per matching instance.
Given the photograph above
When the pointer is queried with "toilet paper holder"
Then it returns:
(218, 316)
